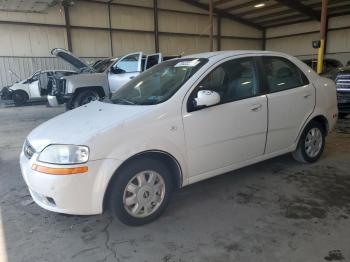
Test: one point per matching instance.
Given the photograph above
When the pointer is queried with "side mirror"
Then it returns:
(207, 98)
(116, 70)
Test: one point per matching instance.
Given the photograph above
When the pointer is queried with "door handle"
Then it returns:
(256, 107)
(306, 95)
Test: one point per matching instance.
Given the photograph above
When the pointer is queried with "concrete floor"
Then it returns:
(278, 210)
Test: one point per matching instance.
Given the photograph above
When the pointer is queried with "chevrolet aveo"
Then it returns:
(178, 123)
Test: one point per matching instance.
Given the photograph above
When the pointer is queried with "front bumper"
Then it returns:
(6, 93)
(53, 102)
(78, 194)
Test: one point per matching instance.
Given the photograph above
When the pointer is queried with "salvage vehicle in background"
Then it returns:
(331, 67)
(343, 91)
(180, 122)
(30, 89)
(99, 80)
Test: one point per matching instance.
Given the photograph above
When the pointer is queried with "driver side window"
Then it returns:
(232, 80)
(128, 64)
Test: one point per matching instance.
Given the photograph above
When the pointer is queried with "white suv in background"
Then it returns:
(178, 123)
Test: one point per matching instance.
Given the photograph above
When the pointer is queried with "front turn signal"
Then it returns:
(60, 171)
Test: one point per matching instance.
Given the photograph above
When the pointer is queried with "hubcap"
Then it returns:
(144, 194)
(313, 142)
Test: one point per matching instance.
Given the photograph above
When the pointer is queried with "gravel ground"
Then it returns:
(277, 210)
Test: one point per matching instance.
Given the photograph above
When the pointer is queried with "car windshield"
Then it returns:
(102, 65)
(159, 83)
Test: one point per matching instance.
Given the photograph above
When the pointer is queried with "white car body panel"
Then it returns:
(219, 131)
(205, 143)
(296, 105)
(31, 89)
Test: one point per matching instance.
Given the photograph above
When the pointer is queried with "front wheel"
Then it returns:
(84, 97)
(141, 192)
(311, 143)
(20, 97)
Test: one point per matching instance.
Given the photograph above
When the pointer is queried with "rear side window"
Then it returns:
(281, 74)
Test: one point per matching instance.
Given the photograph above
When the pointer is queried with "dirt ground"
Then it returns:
(278, 210)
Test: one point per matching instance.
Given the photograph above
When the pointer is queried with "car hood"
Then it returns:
(70, 58)
(82, 124)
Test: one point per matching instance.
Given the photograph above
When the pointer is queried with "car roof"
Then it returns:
(222, 54)
(56, 70)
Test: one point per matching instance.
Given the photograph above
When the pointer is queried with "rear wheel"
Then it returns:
(311, 143)
(84, 97)
(20, 97)
(141, 192)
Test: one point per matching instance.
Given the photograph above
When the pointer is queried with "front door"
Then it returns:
(124, 70)
(152, 60)
(232, 131)
(291, 101)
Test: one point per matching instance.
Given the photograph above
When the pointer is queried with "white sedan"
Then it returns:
(178, 123)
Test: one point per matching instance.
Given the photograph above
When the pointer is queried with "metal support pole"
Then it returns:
(218, 39)
(211, 30)
(322, 37)
(110, 28)
(156, 30)
(68, 28)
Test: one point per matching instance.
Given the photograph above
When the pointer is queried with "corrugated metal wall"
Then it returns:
(25, 48)
(338, 44)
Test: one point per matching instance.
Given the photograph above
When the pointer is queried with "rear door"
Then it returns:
(124, 70)
(291, 100)
(152, 60)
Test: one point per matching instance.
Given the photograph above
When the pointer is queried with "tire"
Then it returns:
(69, 104)
(20, 97)
(314, 134)
(84, 97)
(157, 200)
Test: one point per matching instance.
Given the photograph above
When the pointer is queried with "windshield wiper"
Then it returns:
(123, 100)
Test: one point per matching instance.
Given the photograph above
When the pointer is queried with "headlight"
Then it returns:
(64, 154)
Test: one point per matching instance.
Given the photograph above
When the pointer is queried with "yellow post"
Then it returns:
(322, 37)
(320, 57)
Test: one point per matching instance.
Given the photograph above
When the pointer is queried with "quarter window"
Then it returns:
(282, 74)
(233, 80)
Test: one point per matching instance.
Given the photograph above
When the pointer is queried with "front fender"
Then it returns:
(75, 82)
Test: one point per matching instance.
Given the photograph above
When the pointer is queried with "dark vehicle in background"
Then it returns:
(343, 91)
(331, 67)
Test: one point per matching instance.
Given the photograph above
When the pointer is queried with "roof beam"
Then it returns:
(243, 5)
(223, 13)
(221, 2)
(261, 10)
(301, 8)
